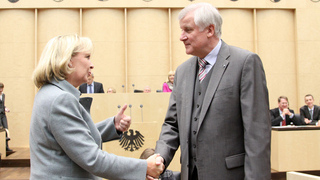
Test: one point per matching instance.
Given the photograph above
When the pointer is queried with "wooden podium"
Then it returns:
(295, 148)
(147, 111)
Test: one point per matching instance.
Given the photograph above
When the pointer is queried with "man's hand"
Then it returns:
(307, 121)
(121, 121)
(286, 112)
(155, 166)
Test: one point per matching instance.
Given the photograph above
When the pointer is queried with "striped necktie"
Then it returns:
(202, 67)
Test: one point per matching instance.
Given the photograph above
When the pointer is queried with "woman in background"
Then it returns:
(64, 141)
(168, 86)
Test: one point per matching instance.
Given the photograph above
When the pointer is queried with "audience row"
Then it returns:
(283, 116)
(96, 87)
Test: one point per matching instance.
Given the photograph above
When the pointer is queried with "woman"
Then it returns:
(64, 141)
(168, 86)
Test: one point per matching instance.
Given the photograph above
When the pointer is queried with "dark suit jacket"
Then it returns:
(234, 131)
(304, 113)
(2, 105)
(98, 87)
(276, 119)
(3, 117)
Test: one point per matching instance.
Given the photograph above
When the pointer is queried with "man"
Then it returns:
(222, 124)
(91, 86)
(309, 113)
(282, 115)
(147, 89)
(3, 117)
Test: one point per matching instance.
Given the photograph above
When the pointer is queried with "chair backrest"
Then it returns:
(86, 103)
(138, 91)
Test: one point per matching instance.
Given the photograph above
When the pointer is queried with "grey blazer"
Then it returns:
(234, 131)
(66, 144)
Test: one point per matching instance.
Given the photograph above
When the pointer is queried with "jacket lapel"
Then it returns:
(216, 75)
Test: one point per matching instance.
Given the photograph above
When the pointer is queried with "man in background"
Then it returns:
(3, 117)
(147, 89)
(282, 115)
(309, 113)
(91, 86)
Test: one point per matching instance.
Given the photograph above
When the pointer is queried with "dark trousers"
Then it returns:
(3, 120)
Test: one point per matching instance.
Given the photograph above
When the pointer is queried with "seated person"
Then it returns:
(309, 113)
(282, 115)
(167, 174)
(91, 86)
(111, 90)
(147, 89)
(168, 86)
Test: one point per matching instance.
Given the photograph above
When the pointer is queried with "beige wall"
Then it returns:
(137, 42)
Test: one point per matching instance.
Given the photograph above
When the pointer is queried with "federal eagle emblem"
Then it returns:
(131, 142)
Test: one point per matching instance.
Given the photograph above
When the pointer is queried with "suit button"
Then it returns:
(194, 132)
(194, 146)
(198, 105)
(199, 93)
(195, 119)
(195, 159)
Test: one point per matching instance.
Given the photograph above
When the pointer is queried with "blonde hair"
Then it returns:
(170, 73)
(56, 56)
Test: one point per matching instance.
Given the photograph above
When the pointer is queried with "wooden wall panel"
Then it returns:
(308, 33)
(238, 27)
(276, 47)
(106, 28)
(16, 66)
(54, 22)
(148, 48)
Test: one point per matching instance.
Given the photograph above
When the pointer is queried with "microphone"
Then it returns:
(141, 106)
(130, 110)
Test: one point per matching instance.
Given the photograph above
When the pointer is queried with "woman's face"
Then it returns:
(171, 77)
(82, 69)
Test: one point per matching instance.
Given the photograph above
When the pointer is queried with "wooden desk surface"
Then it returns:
(296, 128)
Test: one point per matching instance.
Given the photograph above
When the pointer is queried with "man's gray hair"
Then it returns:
(204, 15)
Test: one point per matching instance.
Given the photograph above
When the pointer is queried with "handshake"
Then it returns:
(155, 166)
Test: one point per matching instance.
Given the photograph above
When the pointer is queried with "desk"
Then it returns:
(295, 148)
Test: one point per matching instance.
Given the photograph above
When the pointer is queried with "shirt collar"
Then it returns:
(211, 58)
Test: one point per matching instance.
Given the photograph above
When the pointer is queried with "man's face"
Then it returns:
(195, 41)
(309, 101)
(90, 80)
(147, 90)
(283, 104)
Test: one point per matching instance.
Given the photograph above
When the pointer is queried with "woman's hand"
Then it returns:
(121, 121)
